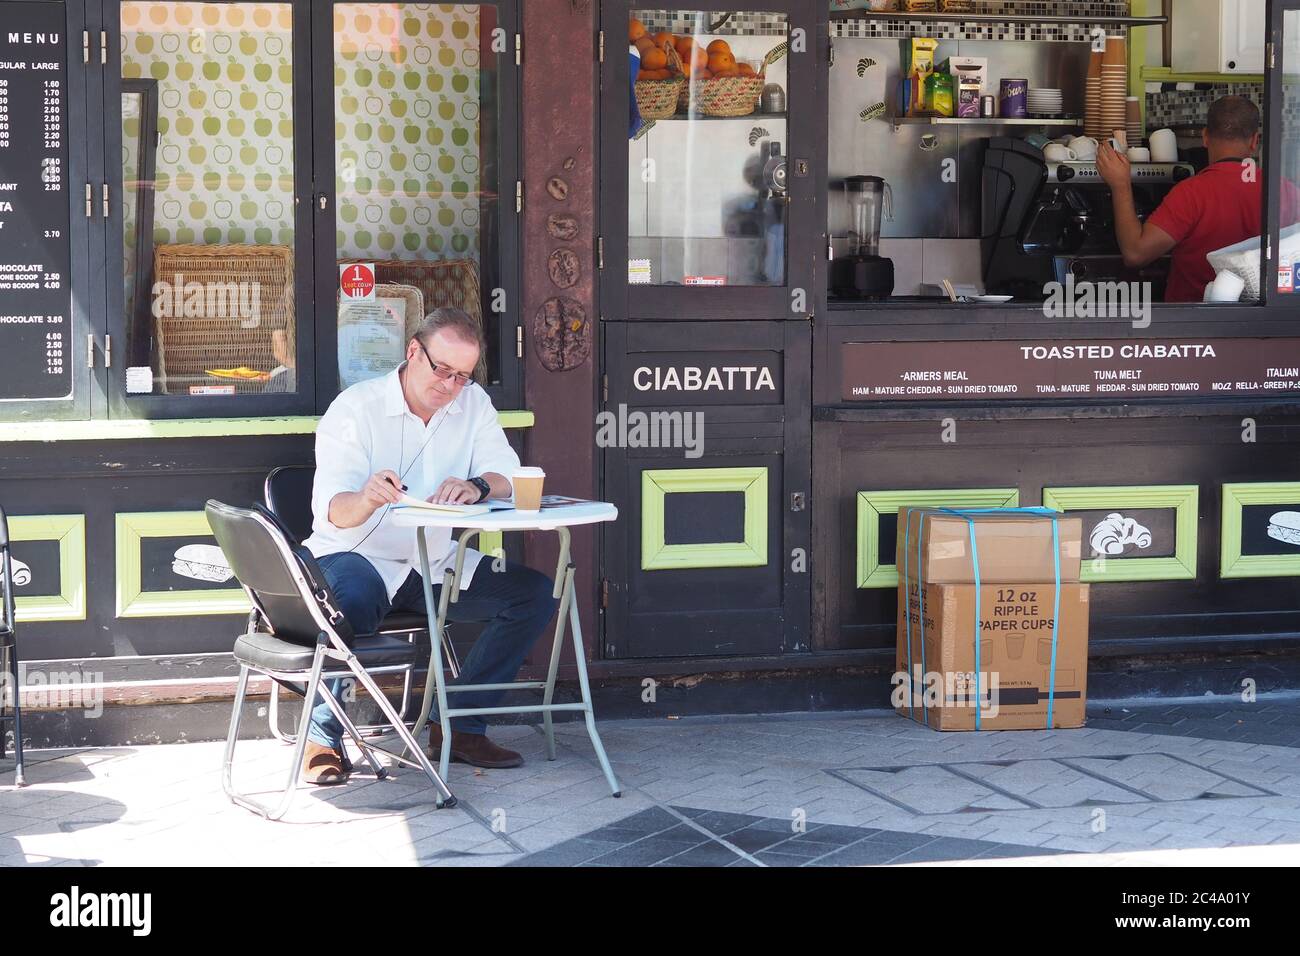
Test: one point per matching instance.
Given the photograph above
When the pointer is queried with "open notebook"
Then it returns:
(409, 501)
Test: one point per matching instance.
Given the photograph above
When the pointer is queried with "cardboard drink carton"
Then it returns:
(938, 682)
(1013, 548)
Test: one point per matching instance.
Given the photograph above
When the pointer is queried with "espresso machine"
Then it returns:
(864, 273)
(1042, 220)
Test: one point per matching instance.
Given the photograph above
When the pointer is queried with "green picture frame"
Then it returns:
(70, 533)
(1234, 564)
(1183, 499)
(133, 601)
(657, 484)
(872, 505)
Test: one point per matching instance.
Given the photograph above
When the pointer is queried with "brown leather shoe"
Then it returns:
(473, 749)
(324, 766)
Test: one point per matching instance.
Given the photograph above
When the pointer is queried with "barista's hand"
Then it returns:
(1113, 167)
(453, 491)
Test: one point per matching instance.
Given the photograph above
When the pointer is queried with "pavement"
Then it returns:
(1147, 783)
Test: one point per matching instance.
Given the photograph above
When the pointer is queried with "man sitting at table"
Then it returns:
(428, 426)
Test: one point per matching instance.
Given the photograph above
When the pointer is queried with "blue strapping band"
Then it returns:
(1056, 599)
(907, 613)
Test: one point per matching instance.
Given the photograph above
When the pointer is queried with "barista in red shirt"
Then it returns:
(1219, 206)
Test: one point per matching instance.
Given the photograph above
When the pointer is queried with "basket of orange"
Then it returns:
(720, 85)
(661, 77)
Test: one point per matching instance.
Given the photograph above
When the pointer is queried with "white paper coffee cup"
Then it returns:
(1227, 287)
(528, 482)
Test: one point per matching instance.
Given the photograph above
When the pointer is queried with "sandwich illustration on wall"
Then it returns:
(1284, 526)
(1114, 533)
(202, 562)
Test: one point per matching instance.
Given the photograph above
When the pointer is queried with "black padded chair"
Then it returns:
(10, 689)
(295, 629)
(287, 491)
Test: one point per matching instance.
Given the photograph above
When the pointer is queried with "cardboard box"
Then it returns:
(1013, 548)
(969, 74)
(1015, 650)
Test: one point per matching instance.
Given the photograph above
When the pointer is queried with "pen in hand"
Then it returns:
(395, 485)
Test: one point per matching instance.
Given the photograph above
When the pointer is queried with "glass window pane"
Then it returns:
(416, 154)
(1288, 274)
(707, 201)
(208, 218)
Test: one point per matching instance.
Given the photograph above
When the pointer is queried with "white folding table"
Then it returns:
(559, 519)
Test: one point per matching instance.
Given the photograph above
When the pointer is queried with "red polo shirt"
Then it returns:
(1215, 208)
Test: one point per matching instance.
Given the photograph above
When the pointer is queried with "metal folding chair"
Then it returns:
(296, 630)
(287, 492)
(10, 689)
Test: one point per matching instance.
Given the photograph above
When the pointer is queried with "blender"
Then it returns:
(864, 273)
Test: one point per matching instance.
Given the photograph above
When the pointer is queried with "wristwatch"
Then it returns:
(484, 489)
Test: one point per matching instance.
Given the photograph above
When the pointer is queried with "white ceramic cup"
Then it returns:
(1164, 146)
(1226, 287)
(1139, 154)
(1056, 153)
(528, 488)
(1085, 147)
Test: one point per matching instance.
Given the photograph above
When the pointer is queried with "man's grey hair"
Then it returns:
(449, 319)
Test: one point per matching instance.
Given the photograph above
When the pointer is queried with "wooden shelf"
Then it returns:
(981, 121)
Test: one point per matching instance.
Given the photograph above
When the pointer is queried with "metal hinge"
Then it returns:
(830, 52)
(600, 252)
(604, 388)
(90, 202)
(519, 49)
(519, 341)
(104, 194)
(108, 351)
(600, 46)
(1268, 249)
(90, 350)
(604, 592)
(103, 47)
(797, 501)
(1271, 61)
(85, 46)
(519, 195)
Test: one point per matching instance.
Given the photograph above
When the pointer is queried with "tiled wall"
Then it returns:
(697, 22)
(1174, 107)
(1074, 32)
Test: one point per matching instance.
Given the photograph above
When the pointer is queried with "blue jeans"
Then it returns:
(516, 602)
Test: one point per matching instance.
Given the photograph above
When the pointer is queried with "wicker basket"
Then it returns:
(441, 282)
(657, 99)
(732, 95)
(221, 336)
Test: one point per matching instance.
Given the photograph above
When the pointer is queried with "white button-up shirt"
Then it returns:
(368, 428)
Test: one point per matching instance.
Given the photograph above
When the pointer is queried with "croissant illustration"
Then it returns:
(22, 573)
(1114, 532)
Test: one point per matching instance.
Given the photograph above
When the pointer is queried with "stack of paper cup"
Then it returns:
(1114, 85)
(1092, 97)
(1133, 120)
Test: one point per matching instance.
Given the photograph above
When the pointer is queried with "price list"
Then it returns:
(35, 253)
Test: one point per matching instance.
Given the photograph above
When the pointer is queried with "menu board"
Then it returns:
(35, 252)
(1094, 369)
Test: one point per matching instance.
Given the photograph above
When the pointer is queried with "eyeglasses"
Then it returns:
(442, 373)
